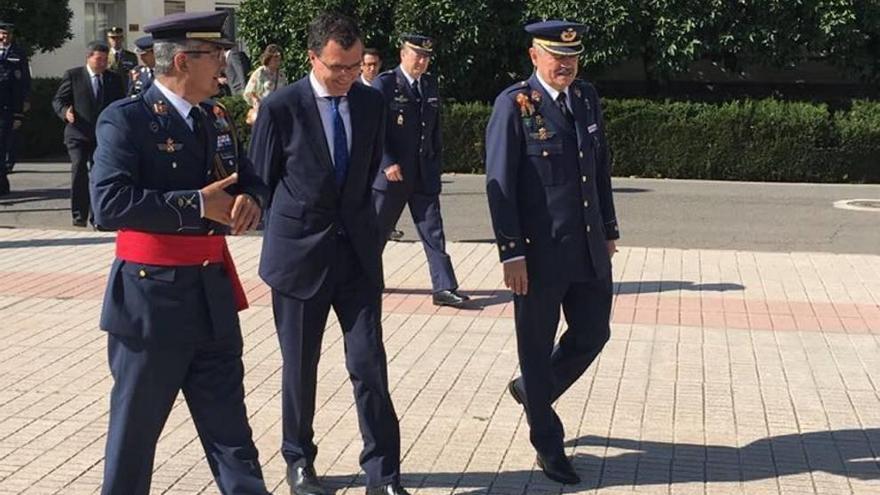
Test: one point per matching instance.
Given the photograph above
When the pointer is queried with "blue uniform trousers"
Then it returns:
(146, 382)
(300, 326)
(425, 211)
(548, 370)
(7, 143)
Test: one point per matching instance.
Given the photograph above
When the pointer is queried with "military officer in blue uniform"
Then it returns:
(142, 76)
(120, 60)
(170, 175)
(549, 190)
(14, 88)
(411, 161)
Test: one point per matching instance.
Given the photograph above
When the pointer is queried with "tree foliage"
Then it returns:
(481, 46)
(40, 25)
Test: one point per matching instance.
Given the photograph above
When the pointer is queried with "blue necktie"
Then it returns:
(340, 142)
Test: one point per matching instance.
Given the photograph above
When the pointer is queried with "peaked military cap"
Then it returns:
(144, 43)
(418, 42)
(114, 32)
(558, 37)
(202, 26)
(6, 26)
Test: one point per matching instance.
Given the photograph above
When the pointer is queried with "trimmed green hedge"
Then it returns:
(42, 132)
(753, 140)
(763, 140)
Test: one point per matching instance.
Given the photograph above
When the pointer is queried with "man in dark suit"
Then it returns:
(549, 188)
(170, 176)
(84, 92)
(318, 143)
(411, 162)
(238, 69)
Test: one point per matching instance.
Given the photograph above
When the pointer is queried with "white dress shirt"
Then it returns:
(93, 81)
(555, 94)
(182, 107)
(326, 112)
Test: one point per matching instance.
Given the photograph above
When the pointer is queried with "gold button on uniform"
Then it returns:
(528, 241)
(586, 204)
(503, 248)
(142, 273)
(544, 153)
(173, 164)
(584, 178)
(588, 229)
(512, 244)
(206, 263)
(581, 154)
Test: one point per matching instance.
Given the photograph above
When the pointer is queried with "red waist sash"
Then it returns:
(180, 250)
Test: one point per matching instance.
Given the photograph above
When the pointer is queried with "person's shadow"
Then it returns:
(850, 453)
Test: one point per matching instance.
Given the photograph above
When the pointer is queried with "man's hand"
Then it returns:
(393, 173)
(217, 204)
(516, 277)
(612, 248)
(69, 115)
(245, 214)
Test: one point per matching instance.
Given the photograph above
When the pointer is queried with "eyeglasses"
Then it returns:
(339, 68)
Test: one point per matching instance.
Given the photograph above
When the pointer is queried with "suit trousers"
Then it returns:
(80, 152)
(300, 326)
(548, 370)
(146, 382)
(425, 211)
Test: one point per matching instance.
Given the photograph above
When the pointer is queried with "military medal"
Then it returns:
(539, 121)
(577, 92)
(160, 108)
(542, 134)
(400, 119)
(169, 145)
(536, 96)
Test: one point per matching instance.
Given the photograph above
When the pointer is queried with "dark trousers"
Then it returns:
(300, 326)
(425, 211)
(80, 152)
(146, 382)
(5, 142)
(548, 370)
(9, 149)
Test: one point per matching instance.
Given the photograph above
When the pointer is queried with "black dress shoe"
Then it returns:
(449, 298)
(517, 394)
(304, 481)
(79, 222)
(395, 235)
(389, 489)
(559, 468)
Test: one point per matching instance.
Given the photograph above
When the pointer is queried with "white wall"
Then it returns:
(72, 54)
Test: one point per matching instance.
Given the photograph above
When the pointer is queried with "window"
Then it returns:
(175, 6)
(101, 15)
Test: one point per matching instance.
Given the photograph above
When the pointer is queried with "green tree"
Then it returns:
(40, 25)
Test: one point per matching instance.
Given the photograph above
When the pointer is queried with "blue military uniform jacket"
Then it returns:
(141, 77)
(148, 170)
(412, 137)
(14, 80)
(548, 185)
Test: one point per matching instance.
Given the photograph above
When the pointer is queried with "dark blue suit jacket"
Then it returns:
(306, 208)
(550, 191)
(412, 137)
(147, 173)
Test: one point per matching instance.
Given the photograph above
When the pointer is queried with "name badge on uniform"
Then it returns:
(592, 128)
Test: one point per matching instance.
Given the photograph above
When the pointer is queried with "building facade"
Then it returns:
(92, 18)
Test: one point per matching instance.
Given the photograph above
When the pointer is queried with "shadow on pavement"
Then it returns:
(848, 453)
(481, 299)
(73, 241)
(32, 195)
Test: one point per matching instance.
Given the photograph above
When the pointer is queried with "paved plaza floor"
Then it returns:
(727, 372)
